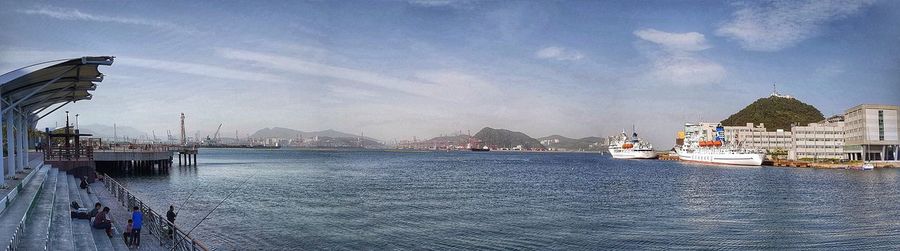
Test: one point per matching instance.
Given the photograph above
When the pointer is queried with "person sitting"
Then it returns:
(96, 209)
(83, 213)
(101, 222)
(127, 234)
(84, 184)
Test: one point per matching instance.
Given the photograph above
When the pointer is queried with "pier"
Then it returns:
(187, 156)
(38, 185)
(83, 157)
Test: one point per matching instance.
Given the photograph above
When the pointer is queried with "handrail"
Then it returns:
(14, 241)
(156, 224)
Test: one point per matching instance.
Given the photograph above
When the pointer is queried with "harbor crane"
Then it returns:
(216, 136)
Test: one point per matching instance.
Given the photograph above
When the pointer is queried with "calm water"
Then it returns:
(390, 200)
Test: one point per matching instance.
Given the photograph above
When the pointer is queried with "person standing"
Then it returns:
(170, 215)
(137, 219)
(127, 234)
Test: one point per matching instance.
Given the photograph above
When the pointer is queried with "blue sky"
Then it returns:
(398, 69)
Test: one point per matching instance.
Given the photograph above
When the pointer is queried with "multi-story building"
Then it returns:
(871, 132)
(750, 136)
(818, 141)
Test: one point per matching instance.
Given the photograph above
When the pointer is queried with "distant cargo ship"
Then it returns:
(623, 147)
(702, 144)
(483, 149)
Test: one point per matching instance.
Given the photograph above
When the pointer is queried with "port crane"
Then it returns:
(216, 136)
(215, 139)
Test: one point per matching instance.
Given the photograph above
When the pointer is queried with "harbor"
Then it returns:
(449, 125)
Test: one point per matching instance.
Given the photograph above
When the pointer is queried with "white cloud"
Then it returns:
(779, 24)
(444, 85)
(438, 3)
(198, 70)
(559, 53)
(691, 41)
(77, 15)
(676, 62)
(687, 70)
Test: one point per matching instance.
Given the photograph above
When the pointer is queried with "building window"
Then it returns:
(881, 125)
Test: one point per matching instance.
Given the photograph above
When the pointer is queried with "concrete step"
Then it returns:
(37, 226)
(101, 240)
(84, 235)
(61, 225)
(118, 241)
(81, 229)
(12, 215)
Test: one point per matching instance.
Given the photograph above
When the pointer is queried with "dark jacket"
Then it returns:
(170, 215)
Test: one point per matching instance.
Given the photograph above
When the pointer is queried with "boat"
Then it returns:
(706, 143)
(483, 149)
(474, 144)
(624, 147)
(868, 166)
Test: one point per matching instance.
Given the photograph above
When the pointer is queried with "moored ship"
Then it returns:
(706, 143)
(623, 147)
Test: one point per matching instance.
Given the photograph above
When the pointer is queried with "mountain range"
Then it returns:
(562, 142)
(287, 133)
(507, 139)
(106, 131)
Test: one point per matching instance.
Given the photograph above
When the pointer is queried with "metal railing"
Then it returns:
(14, 241)
(135, 148)
(167, 233)
(69, 153)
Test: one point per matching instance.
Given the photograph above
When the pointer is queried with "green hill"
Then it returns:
(775, 113)
(507, 139)
(562, 142)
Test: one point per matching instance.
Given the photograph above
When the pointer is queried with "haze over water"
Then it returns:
(438, 200)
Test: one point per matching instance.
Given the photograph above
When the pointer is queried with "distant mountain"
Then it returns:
(562, 142)
(775, 113)
(454, 140)
(287, 133)
(506, 139)
(108, 131)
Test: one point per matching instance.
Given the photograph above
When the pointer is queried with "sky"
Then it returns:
(399, 69)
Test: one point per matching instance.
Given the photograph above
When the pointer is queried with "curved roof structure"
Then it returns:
(36, 87)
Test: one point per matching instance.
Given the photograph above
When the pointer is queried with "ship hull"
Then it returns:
(741, 159)
(631, 154)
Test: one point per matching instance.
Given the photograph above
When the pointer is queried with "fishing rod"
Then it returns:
(216, 207)
(187, 200)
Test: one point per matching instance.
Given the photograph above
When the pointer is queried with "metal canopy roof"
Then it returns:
(42, 85)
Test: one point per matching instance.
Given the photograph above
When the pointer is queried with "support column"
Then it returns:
(195, 159)
(23, 146)
(2, 164)
(10, 144)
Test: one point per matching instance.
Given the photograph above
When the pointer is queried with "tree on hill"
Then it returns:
(775, 113)
(506, 138)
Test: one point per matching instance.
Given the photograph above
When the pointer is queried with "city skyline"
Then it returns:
(424, 68)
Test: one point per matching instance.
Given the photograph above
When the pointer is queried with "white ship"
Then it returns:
(705, 142)
(623, 147)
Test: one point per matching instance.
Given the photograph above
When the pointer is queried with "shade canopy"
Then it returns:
(36, 87)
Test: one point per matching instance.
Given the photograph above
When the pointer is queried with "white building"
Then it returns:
(818, 141)
(871, 132)
(750, 136)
